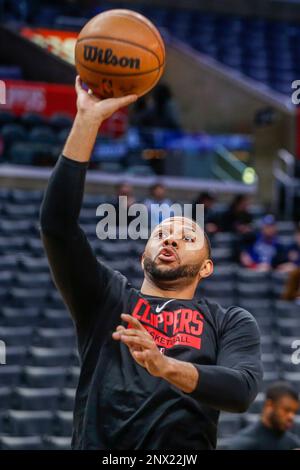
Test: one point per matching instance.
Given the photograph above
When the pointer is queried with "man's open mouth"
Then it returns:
(168, 255)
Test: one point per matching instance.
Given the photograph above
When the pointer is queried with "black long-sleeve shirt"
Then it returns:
(118, 404)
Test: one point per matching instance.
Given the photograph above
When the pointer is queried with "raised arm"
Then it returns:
(75, 269)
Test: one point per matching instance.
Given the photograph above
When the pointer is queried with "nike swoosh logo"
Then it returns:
(159, 309)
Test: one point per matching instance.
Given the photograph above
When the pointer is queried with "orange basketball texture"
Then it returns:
(119, 52)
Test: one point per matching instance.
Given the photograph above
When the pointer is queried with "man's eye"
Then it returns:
(189, 238)
(160, 235)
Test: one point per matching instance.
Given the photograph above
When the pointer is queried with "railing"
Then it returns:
(228, 167)
(284, 178)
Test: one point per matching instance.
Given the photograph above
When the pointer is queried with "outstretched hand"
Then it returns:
(141, 346)
(96, 109)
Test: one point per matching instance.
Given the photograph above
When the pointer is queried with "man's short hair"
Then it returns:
(278, 390)
(208, 244)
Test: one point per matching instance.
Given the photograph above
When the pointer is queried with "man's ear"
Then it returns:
(142, 260)
(207, 269)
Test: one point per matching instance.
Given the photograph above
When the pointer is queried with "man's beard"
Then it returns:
(172, 274)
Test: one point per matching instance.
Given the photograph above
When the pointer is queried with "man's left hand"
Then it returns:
(141, 346)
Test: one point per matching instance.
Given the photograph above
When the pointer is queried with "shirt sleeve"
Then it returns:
(80, 278)
(233, 383)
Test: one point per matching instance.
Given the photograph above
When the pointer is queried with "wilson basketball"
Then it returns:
(119, 52)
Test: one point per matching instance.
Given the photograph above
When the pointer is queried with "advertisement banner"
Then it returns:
(60, 43)
(49, 98)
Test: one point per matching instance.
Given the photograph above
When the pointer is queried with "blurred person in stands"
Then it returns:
(157, 110)
(141, 113)
(260, 255)
(272, 431)
(289, 257)
(292, 288)
(210, 216)
(157, 198)
(124, 190)
(238, 218)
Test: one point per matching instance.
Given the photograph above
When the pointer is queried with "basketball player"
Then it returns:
(157, 364)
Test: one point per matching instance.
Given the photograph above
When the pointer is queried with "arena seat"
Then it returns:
(19, 316)
(5, 398)
(50, 356)
(10, 375)
(56, 318)
(229, 424)
(57, 443)
(44, 377)
(55, 337)
(64, 423)
(28, 423)
(14, 336)
(67, 399)
(16, 355)
(21, 443)
(24, 398)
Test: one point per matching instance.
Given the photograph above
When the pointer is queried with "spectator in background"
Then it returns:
(238, 218)
(157, 110)
(124, 189)
(141, 112)
(262, 252)
(210, 216)
(289, 257)
(292, 288)
(271, 432)
(157, 197)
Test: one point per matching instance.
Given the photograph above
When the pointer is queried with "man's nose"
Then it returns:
(171, 241)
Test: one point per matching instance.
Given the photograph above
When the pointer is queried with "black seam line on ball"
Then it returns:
(112, 74)
(120, 40)
(153, 31)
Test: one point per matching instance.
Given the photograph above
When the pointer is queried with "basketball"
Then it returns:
(119, 52)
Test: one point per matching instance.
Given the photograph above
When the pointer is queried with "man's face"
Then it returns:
(269, 231)
(159, 192)
(175, 250)
(282, 412)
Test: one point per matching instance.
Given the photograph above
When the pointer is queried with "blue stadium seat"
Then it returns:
(32, 119)
(33, 280)
(21, 443)
(72, 377)
(6, 278)
(229, 424)
(56, 318)
(37, 265)
(53, 377)
(14, 336)
(64, 423)
(42, 134)
(16, 355)
(36, 399)
(27, 196)
(55, 337)
(43, 356)
(5, 397)
(19, 316)
(10, 375)
(67, 399)
(57, 443)
(28, 423)
(288, 327)
(11, 245)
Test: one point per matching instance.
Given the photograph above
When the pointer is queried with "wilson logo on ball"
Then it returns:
(107, 57)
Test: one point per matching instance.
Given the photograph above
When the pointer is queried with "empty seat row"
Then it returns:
(35, 377)
(35, 443)
(26, 398)
(36, 423)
